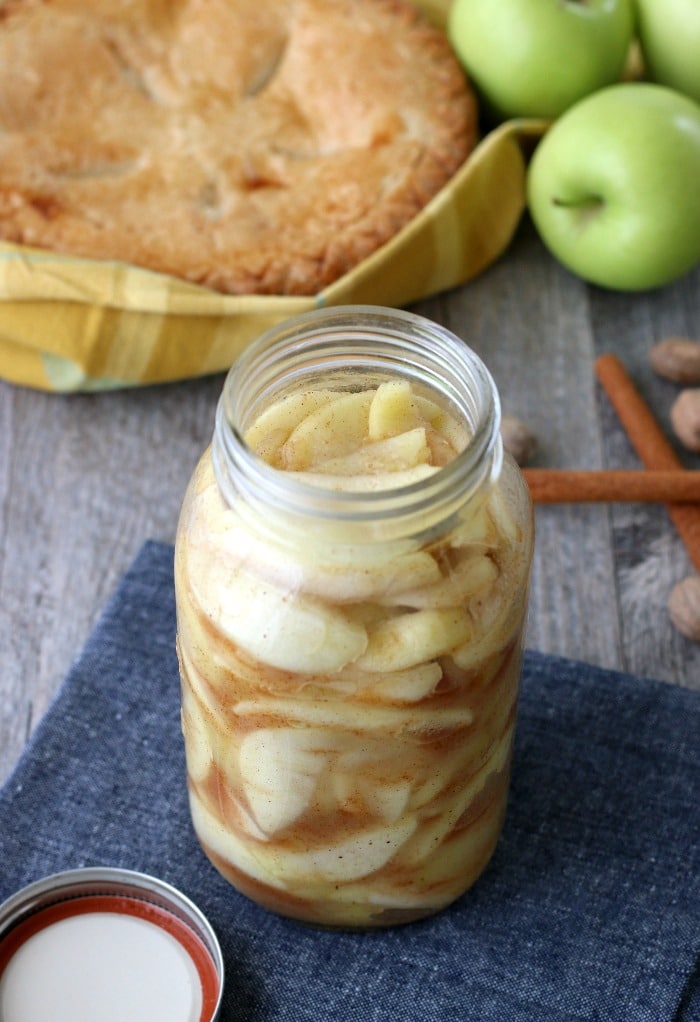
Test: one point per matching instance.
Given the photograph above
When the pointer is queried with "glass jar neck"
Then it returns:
(353, 348)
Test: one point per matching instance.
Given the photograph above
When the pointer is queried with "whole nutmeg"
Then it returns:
(684, 607)
(518, 439)
(677, 359)
(685, 418)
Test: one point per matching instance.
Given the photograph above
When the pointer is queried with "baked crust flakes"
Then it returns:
(251, 146)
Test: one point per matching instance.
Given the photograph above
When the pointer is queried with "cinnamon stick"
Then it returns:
(573, 486)
(649, 442)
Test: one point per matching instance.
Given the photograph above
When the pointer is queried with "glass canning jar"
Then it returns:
(351, 567)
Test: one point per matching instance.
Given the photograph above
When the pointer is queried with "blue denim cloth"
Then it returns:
(589, 910)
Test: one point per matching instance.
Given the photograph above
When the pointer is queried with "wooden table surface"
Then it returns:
(85, 479)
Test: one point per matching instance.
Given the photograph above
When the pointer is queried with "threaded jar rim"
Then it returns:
(370, 341)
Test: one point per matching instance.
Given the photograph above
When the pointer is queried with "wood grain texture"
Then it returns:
(86, 479)
(648, 554)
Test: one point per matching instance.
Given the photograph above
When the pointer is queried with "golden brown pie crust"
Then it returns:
(252, 146)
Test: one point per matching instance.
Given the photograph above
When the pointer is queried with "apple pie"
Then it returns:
(250, 146)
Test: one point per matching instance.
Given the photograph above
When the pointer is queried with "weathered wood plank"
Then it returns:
(85, 480)
(649, 555)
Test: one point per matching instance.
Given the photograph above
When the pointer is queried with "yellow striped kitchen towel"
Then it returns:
(74, 324)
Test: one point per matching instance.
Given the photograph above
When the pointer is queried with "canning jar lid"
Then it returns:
(107, 943)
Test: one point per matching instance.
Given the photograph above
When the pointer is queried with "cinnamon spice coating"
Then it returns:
(251, 146)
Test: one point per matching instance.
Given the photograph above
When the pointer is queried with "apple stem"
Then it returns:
(587, 209)
(590, 202)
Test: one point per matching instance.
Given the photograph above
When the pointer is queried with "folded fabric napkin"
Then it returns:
(589, 910)
(115, 325)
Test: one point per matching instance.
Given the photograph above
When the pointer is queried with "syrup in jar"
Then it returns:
(352, 565)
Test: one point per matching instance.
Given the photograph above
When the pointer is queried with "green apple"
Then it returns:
(614, 186)
(669, 37)
(534, 58)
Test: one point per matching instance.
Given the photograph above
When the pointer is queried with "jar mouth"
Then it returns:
(366, 342)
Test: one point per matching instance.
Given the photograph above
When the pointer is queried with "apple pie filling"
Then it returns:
(348, 708)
